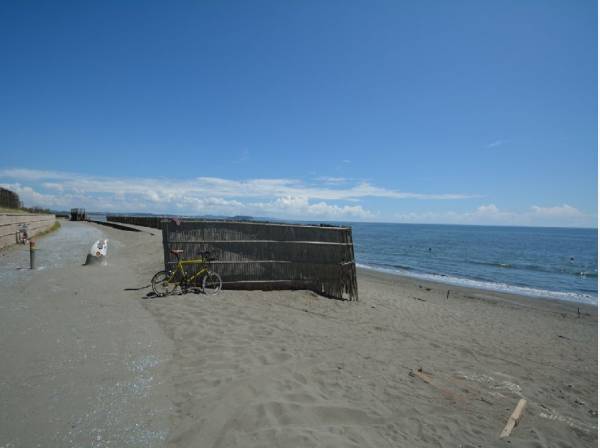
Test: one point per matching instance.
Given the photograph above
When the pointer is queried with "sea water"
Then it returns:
(557, 263)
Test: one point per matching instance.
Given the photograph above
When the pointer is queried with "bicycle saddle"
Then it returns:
(176, 251)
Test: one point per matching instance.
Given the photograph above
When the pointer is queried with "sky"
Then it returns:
(469, 112)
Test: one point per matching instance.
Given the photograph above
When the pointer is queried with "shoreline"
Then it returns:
(487, 286)
(407, 282)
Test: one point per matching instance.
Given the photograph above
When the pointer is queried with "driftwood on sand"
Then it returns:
(514, 418)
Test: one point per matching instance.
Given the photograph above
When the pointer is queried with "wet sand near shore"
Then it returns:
(287, 368)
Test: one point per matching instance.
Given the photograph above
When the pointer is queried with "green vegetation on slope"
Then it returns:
(54, 227)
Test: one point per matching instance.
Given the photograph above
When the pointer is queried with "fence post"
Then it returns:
(32, 250)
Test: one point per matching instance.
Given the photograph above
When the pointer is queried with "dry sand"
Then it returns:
(289, 368)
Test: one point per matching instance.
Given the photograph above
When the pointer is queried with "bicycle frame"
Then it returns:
(181, 268)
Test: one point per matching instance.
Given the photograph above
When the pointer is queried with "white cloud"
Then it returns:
(490, 214)
(281, 196)
(334, 198)
(559, 211)
(331, 180)
(27, 174)
(53, 186)
(275, 197)
(302, 208)
(29, 196)
(495, 144)
(487, 209)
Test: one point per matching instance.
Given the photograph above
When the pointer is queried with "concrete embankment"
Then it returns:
(11, 222)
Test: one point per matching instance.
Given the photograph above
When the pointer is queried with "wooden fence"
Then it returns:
(254, 255)
(78, 214)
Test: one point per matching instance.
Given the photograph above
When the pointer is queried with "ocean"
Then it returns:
(557, 263)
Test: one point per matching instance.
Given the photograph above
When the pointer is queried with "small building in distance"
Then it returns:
(78, 214)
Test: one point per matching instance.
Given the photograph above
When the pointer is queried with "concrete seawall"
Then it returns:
(9, 225)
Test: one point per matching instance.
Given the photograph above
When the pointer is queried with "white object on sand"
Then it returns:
(97, 253)
(99, 248)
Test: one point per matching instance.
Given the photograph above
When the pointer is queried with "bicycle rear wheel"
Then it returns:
(211, 283)
(161, 285)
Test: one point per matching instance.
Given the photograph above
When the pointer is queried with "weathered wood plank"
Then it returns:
(514, 418)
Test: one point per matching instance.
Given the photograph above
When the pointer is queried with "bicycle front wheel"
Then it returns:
(161, 285)
(211, 284)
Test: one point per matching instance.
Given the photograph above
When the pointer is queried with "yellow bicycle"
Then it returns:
(209, 282)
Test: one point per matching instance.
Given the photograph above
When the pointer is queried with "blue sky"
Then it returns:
(479, 112)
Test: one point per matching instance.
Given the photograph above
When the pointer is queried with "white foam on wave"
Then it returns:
(490, 286)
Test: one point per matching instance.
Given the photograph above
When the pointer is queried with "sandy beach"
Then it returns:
(90, 360)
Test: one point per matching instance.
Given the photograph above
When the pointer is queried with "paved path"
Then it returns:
(82, 361)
